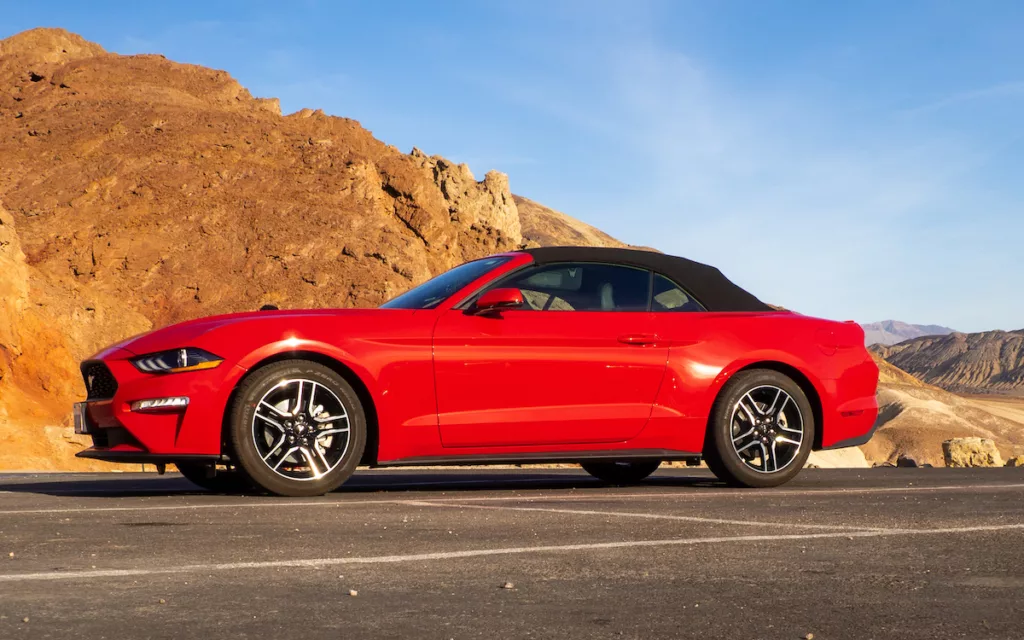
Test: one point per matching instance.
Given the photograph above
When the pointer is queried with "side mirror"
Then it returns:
(498, 299)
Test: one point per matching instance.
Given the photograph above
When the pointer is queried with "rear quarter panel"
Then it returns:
(707, 349)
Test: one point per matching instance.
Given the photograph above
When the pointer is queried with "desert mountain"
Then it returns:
(137, 192)
(893, 331)
(988, 362)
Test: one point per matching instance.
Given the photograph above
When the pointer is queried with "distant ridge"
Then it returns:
(894, 331)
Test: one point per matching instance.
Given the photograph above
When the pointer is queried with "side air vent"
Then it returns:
(99, 382)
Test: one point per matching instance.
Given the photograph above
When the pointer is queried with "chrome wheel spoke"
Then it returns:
(743, 435)
(747, 446)
(764, 456)
(747, 412)
(287, 454)
(277, 412)
(320, 456)
(787, 440)
(329, 419)
(275, 448)
(308, 455)
(312, 399)
(775, 414)
(274, 423)
(328, 432)
(298, 400)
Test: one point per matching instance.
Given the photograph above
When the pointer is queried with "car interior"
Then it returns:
(598, 287)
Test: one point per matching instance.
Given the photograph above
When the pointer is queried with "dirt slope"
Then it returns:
(546, 227)
(915, 417)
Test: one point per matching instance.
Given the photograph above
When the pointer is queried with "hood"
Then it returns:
(191, 333)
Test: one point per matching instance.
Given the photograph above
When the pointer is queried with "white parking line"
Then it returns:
(314, 563)
(592, 493)
(652, 516)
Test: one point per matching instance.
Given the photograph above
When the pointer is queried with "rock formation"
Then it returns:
(136, 192)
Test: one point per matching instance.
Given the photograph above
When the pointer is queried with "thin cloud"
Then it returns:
(1002, 90)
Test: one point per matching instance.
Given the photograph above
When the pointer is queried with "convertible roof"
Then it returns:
(706, 283)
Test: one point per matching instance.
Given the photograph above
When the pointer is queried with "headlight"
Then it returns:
(176, 361)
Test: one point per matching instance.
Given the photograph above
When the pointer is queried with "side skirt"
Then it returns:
(140, 457)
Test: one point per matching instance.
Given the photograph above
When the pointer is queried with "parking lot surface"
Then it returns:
(514, 553)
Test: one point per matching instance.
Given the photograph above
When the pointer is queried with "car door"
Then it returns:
(579, 363)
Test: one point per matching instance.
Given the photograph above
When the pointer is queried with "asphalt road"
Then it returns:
(879, 553)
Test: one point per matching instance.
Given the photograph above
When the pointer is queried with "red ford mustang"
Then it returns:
(613, 358)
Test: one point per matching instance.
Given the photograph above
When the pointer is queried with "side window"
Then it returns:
(582, 286)
(668, 296)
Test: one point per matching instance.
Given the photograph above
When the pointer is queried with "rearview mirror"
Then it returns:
(498, 299)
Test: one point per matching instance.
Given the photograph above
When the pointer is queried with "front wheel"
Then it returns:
(620, 473)
(298, 428)
(761, 430)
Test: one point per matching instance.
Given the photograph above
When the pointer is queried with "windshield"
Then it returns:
(434, 291)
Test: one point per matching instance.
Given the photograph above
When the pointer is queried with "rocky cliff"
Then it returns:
(136, 192)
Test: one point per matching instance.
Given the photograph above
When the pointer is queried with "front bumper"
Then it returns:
(122, 435)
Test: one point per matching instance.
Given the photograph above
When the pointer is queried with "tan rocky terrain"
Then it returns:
(915, 417)
(542, 226)
(136, 192)
(988, 362)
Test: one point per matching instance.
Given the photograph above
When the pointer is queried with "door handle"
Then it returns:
(638, 339)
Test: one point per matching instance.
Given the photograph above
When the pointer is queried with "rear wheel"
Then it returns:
(623, 472)
(210, 478)
(761, 431)
(298, 428)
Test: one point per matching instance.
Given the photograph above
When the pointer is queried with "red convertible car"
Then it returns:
(616, 359)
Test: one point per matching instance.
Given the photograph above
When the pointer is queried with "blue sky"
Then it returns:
(859, 160)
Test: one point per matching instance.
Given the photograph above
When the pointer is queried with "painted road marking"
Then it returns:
(262, 503)
(652, 516)
(314, 563)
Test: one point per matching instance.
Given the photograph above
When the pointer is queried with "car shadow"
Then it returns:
(448, 481)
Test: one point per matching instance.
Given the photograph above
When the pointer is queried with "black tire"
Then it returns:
(621, 473)
(722, 456)
(241, 428)
(219, 481)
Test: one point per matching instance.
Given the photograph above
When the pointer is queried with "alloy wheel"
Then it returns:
(301, 429)
(767, 429)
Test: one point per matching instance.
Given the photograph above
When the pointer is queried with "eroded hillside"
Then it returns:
(136, 192)
(987, 362)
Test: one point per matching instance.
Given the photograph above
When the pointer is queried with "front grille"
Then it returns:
(99, 382)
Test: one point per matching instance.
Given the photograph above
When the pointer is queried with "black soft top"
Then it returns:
(706, 283)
